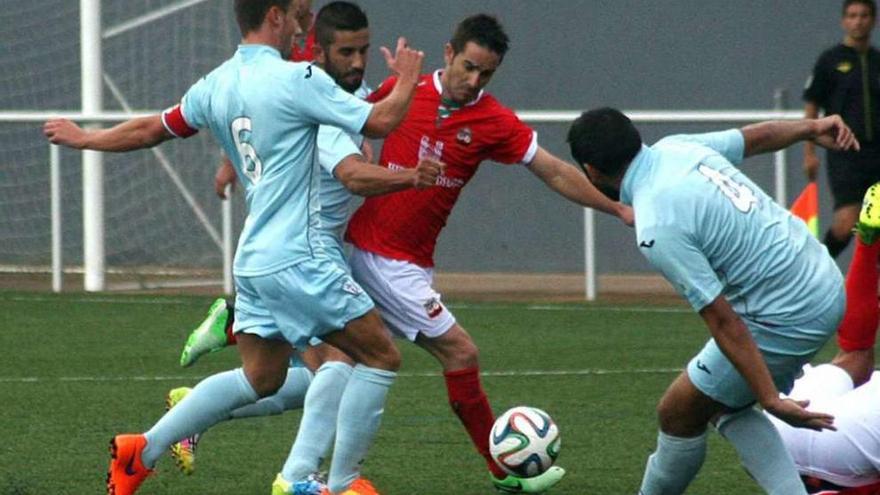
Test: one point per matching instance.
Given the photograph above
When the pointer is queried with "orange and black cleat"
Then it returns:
(127, 470)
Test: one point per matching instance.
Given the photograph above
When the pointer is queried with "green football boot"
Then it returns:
(209, 336)
(537, 484)
(184, 451)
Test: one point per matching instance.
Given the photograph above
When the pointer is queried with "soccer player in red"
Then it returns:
(452, 119)
(846, 461)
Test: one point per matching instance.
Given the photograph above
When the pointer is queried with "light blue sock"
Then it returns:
(360, 413)
(318, 426)
(289, 396)
(210, 402)
(762, 452)
(672, 467)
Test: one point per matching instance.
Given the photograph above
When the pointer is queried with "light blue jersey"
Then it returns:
(334, 145)
(712, 232)
(265, 112)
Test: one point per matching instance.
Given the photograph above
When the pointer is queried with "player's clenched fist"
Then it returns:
(427, 173)
(406, 62)
(64, 132)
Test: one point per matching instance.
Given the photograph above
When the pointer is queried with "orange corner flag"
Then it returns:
(806, 207)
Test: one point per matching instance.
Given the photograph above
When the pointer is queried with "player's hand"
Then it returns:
(626, 214)
(406, 62)
(225, 176)
(65, 133)
(811, 166)
(427, 172)
(795, 413)
(834, 134)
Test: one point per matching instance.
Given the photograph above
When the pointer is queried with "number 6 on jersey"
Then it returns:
(251, 165)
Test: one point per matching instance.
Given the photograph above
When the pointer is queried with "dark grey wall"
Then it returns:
(634, 54)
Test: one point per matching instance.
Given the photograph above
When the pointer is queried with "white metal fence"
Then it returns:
(93, 236)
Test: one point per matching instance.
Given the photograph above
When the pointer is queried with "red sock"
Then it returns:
(469, 401)
(230, 337)
(858, 329)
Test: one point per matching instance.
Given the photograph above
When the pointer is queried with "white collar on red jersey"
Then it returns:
(439, 87)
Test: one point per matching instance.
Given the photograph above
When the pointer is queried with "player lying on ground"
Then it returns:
(770, 294)
(343, 38)
(266, 113)
(846, 461)
(455, 121)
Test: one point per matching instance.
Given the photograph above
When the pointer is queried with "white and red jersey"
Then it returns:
(405, 225)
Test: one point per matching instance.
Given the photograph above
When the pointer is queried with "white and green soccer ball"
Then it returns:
(524, 441)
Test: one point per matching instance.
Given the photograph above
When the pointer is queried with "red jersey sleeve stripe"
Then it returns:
(176, 124)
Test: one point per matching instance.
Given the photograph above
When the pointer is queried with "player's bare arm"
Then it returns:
(572, 184)
(139, 133)
(735, 341)
(829, 132)
(811, 160)
(366, 179)
(388, 113)
(225, 176)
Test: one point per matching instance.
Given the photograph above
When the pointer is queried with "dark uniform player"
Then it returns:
(846, 81)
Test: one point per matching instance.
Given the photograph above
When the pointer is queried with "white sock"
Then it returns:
(672, 467)
(762, 452)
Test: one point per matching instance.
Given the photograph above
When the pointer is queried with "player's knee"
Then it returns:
(390, 358)
(265, 382)
(468, 354)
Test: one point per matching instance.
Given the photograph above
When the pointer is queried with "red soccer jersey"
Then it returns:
(405, 225)
(303, 48)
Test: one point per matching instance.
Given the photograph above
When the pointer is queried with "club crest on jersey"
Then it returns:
(433, 307)
(464, 136)
(352, 287)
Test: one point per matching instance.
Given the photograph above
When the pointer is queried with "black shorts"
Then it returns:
(851, 174)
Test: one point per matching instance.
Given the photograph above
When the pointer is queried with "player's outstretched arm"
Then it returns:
(388, 113)
(366, 179)
(735, 341)
(135, 134)
(829, 132)
(573, 185)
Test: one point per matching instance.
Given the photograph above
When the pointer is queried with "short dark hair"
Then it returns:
(604, 138)
(872, 6)
(338, 16)
(250, 13)
(482, 29)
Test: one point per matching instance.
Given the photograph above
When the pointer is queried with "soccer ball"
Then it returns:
(524, 441)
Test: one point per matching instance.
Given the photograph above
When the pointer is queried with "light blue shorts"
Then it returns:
(714, 375)
(302, 301)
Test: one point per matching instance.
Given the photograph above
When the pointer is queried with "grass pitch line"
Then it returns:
(193, 379)
(562, 307)
(463, 306)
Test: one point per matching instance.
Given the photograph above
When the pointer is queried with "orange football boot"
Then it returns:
(360, 486)
(127, 470)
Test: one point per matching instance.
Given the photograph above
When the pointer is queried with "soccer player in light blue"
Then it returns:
(342, 42)
(769, 293)
(266, 112)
